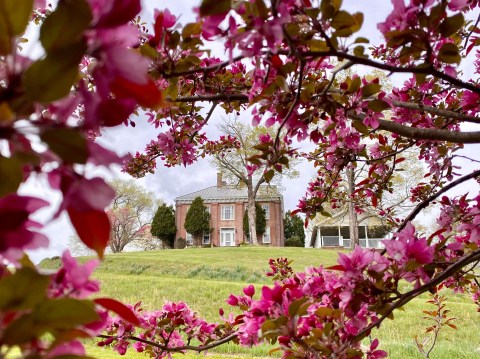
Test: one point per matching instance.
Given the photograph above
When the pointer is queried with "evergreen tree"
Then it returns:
(163, 225)
(197, 221)
(293, 229)
(260, 221)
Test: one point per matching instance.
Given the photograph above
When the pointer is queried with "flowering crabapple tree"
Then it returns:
(101, 65)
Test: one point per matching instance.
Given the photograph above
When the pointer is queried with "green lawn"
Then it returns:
(204, 278)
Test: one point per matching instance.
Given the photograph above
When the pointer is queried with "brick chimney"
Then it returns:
(220, 182)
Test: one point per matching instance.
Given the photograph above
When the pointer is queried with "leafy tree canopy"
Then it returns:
(163, 224)
(294, 227)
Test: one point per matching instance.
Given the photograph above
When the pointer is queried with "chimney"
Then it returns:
(220, 183)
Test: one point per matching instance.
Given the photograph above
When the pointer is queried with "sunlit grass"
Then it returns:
(204, 278)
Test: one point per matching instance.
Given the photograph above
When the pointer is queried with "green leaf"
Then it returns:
(14, 17)
(190, 29)
(22, 290)
(354, 85)
(449, 54)
(52, 78)
(378, 105)
(65, 25)
(20, 331)
(361, 40)
(451, 25)
(342, 20)
(64, 313)
(329, 8)
(370, 89)
(346, 23)
(68, 144)
(269, 175)
(359, 51)
(297, 307)
(11, 175)
(324, 312)
(215, 7)
(318, 45)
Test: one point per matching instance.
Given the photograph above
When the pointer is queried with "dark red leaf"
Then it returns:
(93, 228)
(336, 267)
(113, 112)
(147, 95)
(122, 11)
(119, 308)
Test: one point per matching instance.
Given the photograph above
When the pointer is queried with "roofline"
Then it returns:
(230, 199)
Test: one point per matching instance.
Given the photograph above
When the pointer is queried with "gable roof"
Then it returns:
(227, 194)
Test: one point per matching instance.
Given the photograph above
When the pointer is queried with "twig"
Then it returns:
(471, 32)
(433, 197)
(407, 297)
(198, 349)
(294, 103)
(204, 70)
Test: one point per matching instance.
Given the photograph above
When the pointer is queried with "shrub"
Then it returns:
(294, 242)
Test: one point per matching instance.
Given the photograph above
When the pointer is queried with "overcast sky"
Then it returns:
(169, 183)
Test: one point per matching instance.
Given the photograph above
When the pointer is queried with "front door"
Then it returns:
(227, 237)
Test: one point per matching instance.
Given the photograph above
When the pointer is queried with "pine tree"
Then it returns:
(197, 221)
(163, 225)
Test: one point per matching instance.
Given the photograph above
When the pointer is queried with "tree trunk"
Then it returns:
(352, 215)
(313, 237)
(251, 213)
(197, 241)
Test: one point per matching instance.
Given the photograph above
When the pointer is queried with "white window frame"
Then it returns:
(225, 231)
(189, 239)
(266, 208)
(266, 236)
(232, 213)
(204, 238)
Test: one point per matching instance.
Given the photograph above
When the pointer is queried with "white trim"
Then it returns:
(224, 234)
(266, 236)
(189, 239)
(223, 213)
(205, 236)
(266, 208)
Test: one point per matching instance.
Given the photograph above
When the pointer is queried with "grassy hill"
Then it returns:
(204, 278)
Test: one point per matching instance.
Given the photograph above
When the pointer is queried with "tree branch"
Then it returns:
(407, 297)
(198, 349)
(219, 97)
(429, 134)
(394, 69)
(433, 197)
(436, 111)
(204, 70)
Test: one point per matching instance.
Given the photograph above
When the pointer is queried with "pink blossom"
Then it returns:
(455, 5)
(356, 261)
(249, 290)
(73, 279)
(68, 349)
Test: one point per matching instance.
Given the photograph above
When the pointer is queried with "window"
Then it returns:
(227, 212)
(189, 239)
(208, 209)
(206, 238)
(266, 235)
(266, 208)
(227, 237)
